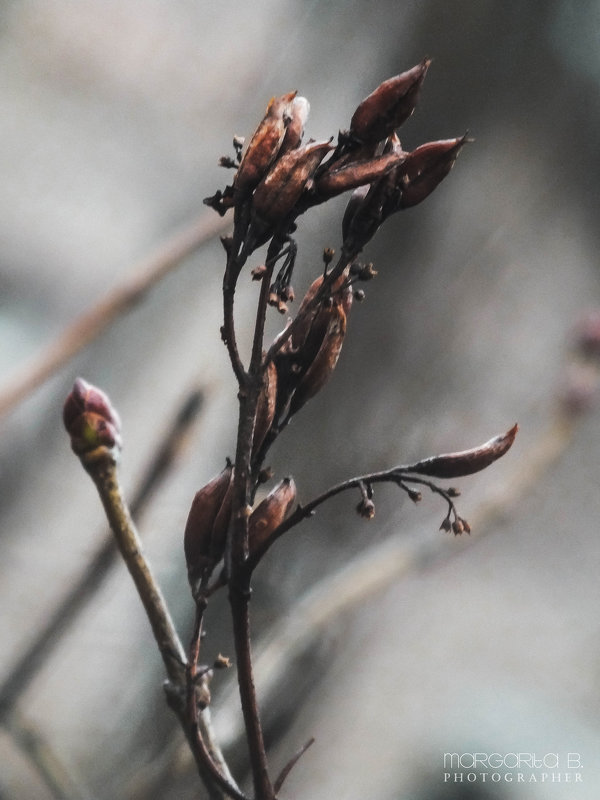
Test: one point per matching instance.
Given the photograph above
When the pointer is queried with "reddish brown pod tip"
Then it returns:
(389, 105)
(466, 462)
(265, 144)
(91, 421)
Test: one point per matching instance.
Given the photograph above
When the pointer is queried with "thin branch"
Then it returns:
(291, 764)
(212, 766)
(120, 299)
(104, 474)
(371, 572)
(35, 654)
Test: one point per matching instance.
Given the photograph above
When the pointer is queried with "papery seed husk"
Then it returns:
(197, 538)
(466, 462)
(264, 145)
(270, 513)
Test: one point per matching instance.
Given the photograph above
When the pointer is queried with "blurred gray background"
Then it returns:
(113, 117)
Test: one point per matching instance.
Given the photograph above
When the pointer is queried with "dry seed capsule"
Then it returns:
(264, 145)
(425, 168)
(270, 513)
(357, 173)
(279, 191)
(324, 362)
(198, 536)
(389, 105)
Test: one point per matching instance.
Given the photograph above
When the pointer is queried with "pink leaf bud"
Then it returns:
(91, 421)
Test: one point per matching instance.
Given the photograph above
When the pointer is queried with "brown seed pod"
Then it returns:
(264, 145)
(198, 537)
(425, 168)
(270, 513)
(265, 412)
(389, 105)
(466, 462)
(357, 173)
(279, 191)
(324, 361)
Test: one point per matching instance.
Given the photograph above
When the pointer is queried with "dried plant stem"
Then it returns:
(120, 299)
(241, 630)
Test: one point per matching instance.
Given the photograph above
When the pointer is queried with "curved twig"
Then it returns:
(120, 299)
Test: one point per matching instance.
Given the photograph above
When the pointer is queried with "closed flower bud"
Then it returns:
(265, 144)
(270, 513)
(425, 168)
(91, 421)
(357, 173)
(198, 539)
(391, 104)
(295, 130)
(282, 187)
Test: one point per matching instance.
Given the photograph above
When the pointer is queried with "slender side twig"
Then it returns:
(371, 572)
(119, 300)
(36, 654)
(291, 764)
